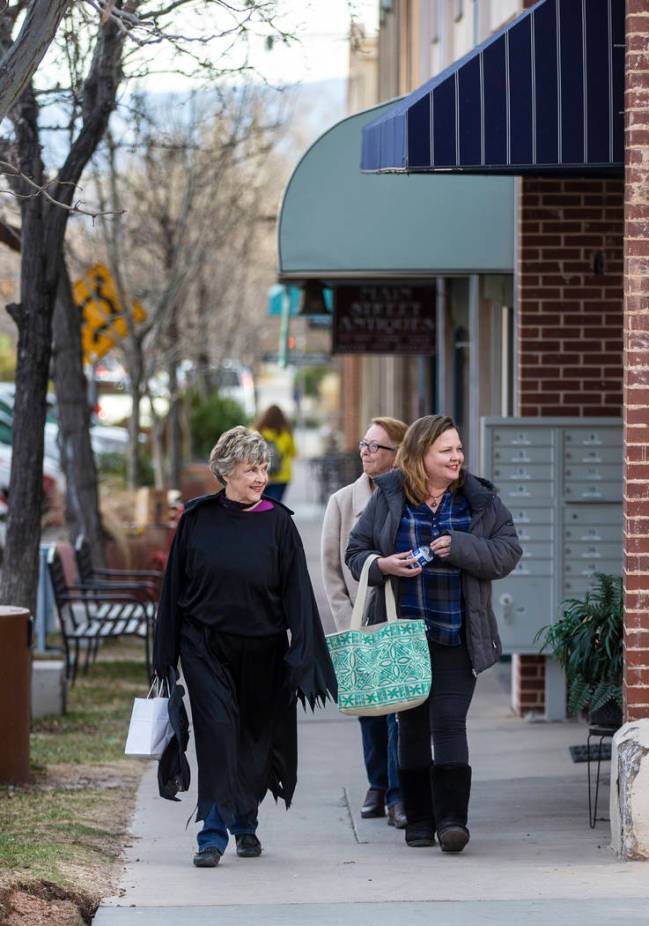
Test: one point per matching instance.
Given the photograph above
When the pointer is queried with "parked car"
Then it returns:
(53, 479)
(104, 438)
(232, 379)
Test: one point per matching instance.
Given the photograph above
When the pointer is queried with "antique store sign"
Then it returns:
(384, 319)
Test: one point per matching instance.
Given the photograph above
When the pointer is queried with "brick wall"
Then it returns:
(636, 364)
(570, 296)
(528, 684)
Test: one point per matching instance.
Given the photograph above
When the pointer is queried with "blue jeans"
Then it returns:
(215, 832)
(380, 751)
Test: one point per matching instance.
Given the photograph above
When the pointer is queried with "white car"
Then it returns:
(235, 381)
(104, 438)
(53, 479)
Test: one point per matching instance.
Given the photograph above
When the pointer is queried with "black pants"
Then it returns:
(443, 715)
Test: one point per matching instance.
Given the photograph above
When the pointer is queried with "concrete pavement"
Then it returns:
(532, 855)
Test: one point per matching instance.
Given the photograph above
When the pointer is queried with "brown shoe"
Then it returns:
(396, 816)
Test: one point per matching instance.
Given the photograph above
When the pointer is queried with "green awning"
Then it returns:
(337, 223)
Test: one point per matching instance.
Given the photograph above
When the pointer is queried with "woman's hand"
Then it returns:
(441, 546)
(399, 564)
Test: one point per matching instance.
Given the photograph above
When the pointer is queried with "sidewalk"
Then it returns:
(531, 855)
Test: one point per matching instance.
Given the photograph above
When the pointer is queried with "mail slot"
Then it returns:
(554, 471)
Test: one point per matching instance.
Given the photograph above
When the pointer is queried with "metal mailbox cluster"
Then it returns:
(562, 480)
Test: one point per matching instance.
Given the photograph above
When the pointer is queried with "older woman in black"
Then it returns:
(236, 581)
(430, 502)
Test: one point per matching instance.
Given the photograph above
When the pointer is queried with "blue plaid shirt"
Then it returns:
(436, 593)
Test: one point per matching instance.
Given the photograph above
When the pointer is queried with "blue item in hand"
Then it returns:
(423, 556)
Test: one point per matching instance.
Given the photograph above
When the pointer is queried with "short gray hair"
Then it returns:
(238, 445)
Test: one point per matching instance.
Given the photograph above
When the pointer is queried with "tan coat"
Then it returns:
(343, 511)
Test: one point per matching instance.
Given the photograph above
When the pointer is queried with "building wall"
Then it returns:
(570, 297)
(570, 311)
(362, 82)
(636, 367)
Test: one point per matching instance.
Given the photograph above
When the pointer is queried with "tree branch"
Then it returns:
(26, 52)
(42, 190)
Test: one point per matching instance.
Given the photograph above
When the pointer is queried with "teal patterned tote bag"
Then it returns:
(383, 668)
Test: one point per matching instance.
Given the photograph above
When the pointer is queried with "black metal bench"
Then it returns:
(144, 583)
(89, 616)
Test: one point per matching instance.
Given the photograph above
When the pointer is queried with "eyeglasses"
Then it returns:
(372, 446)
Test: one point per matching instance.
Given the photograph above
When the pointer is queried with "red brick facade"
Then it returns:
(636, 365)
(570, 296)
(528, 684)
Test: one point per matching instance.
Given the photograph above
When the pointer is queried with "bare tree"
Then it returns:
(171, 214)
(104, 29)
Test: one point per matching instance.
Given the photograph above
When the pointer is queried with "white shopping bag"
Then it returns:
(149, 730)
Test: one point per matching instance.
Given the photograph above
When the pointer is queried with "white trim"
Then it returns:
(483, 144)
(533, 79)
(508, 110)
(559, 105)
(440, 352)
(584, 79)
(474, 371)
(610, 81)
(456, 85)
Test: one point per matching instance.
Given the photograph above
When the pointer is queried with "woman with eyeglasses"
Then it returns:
(378, 450)
(429, 503)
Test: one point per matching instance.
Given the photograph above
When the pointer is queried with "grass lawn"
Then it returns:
(60, 834)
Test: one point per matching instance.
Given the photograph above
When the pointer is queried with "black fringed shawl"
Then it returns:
(235, 582)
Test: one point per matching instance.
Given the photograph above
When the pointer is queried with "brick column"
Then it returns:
(570, 323)
(636, 363)
(350, 400)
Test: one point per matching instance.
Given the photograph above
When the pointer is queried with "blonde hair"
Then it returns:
(237, 445)
(419, 437)
(393, 427)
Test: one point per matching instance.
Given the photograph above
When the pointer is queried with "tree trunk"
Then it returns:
(33, 317)
(43, 232)
(157, 449)
(202, 342)
(77, 458)
(136, 369)
(174, 426)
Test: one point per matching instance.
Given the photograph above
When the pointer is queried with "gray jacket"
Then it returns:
(488, 550)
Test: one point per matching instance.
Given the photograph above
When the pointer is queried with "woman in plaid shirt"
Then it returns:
(429, 500)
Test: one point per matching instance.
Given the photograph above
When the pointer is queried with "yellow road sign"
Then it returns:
(104, 319)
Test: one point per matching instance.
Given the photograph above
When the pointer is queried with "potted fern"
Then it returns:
(588, 643)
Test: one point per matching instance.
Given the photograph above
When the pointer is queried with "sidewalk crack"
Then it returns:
(352, 822)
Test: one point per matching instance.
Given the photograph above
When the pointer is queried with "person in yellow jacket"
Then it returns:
(277, 433)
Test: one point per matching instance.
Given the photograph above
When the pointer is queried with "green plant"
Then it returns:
(588, 643)
(312, 377)
(7, 358)
(209, 418)
(114, 464)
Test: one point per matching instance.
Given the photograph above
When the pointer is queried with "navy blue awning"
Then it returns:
(544, 95)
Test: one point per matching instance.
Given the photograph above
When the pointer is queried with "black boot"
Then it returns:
(451, 790)
(417, 801)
